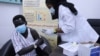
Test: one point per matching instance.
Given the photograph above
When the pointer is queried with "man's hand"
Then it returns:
(39, 42)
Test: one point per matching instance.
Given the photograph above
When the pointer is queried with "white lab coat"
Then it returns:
(75, 27)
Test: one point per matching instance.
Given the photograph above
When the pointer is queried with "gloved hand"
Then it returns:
(48, 31)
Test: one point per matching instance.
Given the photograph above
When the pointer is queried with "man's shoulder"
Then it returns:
(34, 33)
(31, 29)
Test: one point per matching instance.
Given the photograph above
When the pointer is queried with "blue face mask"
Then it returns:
(52, 10)
(21, 28)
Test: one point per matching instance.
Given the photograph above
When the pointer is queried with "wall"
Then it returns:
(88, 8)
(7, 11)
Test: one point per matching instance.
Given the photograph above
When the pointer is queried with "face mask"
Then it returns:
(21, 28)
(52, 10)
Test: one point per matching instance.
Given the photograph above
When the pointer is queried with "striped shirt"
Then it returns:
(20, 42)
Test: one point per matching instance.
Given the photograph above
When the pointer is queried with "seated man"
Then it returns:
(25, 40)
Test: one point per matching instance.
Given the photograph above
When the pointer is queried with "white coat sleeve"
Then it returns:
(68, 21)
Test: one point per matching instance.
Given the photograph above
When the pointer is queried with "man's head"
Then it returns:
(19, 20)
(20, 23)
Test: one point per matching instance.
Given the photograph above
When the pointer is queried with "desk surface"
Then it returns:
(57, 52)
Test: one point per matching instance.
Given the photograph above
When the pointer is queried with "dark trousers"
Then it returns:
(59, 40)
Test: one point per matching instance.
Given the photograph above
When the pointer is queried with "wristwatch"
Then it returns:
(35, 46)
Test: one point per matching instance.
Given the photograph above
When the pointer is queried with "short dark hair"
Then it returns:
(19, 18)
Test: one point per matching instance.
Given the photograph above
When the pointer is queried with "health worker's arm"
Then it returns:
(68, 20)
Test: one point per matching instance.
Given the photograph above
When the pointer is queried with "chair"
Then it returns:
(95, 23)
(7, 49)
